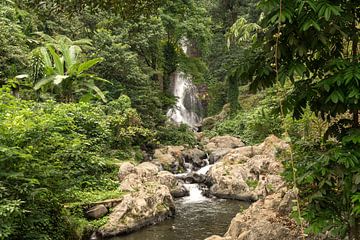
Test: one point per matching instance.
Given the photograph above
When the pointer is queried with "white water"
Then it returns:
(187, 100)
(204, 170)
(195, 193)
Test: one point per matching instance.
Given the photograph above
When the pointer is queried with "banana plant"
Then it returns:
(63, 68)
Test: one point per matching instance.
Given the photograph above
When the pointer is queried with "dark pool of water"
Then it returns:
(193, 221)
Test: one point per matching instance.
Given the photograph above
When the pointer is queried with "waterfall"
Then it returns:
(188, 106)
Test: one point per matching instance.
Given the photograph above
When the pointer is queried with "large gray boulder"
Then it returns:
(196, 157)
(170, 158)
(132, 178)
(149, 205)
(264, 220)
(219, 146)
(223, 142)
(248, 173)
(97, 211)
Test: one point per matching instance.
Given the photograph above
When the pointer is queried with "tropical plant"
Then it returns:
(62, 66)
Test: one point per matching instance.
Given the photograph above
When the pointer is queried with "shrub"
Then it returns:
(51, 151)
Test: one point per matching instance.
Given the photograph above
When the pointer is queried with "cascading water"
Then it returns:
(197, 217)
(188, 106)
(195, 193)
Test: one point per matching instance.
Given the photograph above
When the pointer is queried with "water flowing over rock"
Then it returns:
(188, 108)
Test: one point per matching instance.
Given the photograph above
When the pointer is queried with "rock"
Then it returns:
(170, 158)
(263, 221)
(125, 169)
(196, 157)
(97, 211)
(248, 173)
(194, 177)
(216, 155)
(209, 122)
(223, 142)
(177, 188)
(153, 203)
(231, 182)
(179, 192)
(148, 172)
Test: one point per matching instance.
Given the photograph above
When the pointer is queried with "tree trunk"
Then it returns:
(355, 41)
(355, 118)
(354, 231)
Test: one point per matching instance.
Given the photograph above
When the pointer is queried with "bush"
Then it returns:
(328, 179)
(252, 125)
(176, 135)
(51, 151)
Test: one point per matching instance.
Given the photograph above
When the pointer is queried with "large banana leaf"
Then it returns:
(58, 61)
(88, 64)
(46, 57)
(91, 86)
(44, 81)
(56, 79)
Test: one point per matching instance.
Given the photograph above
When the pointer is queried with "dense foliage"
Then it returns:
(86, 84)
(50, 151)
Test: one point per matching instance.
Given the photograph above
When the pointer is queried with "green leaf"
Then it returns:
(43, 82)
(45, 57)
(59, 78)
(88, 64)
(97, 90)
(59, 61)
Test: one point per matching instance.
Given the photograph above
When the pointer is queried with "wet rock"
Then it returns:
(194, 177)
(97, 211)
(153, 203)
(177, 188)
(196, 157)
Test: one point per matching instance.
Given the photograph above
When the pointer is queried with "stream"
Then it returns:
(197, 217)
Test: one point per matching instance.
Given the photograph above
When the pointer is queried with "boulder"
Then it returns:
(217, 154)
(148, 172)
(263, 221)
(97, 211)
(153, 203)
(248, 173)
(177, 188)
(125, 169)
(196, 157)
(194, 177)
(170, 158)
(223, 142)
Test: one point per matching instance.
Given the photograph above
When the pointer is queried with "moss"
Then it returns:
(252, 183)
(89, 197)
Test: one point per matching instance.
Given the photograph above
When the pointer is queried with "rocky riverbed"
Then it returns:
(222, 168)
